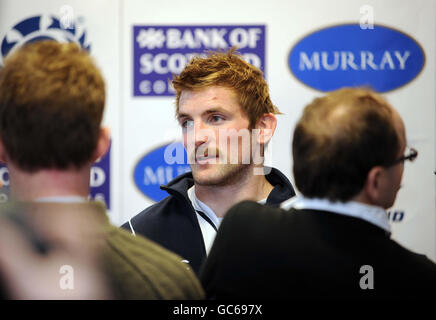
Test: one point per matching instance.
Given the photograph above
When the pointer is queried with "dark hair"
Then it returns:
(51, 105)
(339, 138)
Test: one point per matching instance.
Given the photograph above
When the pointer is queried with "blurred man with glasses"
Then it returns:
(334, 239)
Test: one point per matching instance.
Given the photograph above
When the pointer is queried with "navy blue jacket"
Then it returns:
(173, 223)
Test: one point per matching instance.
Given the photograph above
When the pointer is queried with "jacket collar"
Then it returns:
(282, 187)
(282, 191)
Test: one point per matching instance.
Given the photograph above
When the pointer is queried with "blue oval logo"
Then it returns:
(349, 56)
(158, 167)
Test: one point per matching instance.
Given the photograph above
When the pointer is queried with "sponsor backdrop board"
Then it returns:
(305, 48)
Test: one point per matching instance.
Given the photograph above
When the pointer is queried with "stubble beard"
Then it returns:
(222, 175)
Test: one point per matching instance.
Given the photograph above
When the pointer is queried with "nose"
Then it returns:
(200, 135)
(194, 135)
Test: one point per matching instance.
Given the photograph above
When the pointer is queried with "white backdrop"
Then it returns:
(140, 124)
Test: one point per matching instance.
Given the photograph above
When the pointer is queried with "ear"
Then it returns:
(3, 154)
(103, 143)
(267, 125)
(373, 186)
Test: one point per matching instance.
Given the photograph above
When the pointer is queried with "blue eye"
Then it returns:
(187, 123)
(216, 118)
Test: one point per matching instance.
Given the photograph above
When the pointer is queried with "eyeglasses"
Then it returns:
(410, 156)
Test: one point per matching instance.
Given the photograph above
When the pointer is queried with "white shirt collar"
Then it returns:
(201, 206)
(372, 214)
(208, 231)
(62, 199)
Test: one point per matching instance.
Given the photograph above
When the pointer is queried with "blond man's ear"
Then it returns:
(267, 125)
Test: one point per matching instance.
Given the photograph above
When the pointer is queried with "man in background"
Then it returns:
(227, 119)
(334, 241)
(52, 99)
